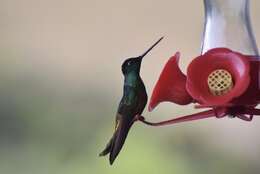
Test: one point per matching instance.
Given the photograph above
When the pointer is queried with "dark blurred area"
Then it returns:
(60, 84)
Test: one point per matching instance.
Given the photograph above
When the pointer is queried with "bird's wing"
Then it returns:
(117, 141)
(119, 138)
(111, 142)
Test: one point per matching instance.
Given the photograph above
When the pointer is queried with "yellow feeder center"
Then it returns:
(220, 82)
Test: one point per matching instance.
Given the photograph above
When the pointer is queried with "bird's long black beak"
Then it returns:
(144, 54)
(117, 141)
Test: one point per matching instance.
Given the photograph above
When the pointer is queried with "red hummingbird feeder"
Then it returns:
(224, 77)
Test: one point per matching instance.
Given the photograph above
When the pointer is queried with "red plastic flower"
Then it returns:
(221, 79)
(217, 59)
(171, 85)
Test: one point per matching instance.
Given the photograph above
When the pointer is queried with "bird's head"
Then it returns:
(134, 64)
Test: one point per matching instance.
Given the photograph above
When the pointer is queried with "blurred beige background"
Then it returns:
(61, 83)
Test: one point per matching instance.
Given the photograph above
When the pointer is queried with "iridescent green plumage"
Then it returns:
(132, 103)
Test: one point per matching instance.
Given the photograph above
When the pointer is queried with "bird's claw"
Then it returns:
(139, 118)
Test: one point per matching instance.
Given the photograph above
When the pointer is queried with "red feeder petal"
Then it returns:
(220, 58)
(171, 85)
(252, 94)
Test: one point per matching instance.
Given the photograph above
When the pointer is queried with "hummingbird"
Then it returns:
(131, 104)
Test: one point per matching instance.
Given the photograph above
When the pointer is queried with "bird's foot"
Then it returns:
(139, 118)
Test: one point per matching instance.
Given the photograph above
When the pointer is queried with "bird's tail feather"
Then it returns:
(108, 147)
(121, 134)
